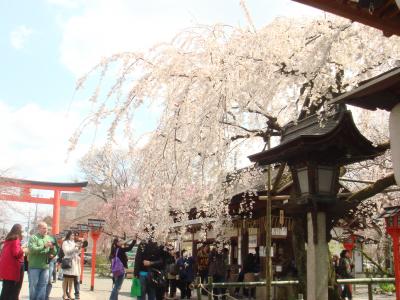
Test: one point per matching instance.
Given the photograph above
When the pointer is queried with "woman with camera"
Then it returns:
(118, 251)
(12, 264)
(70, 264)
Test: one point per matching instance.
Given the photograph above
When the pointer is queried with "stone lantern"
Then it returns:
(314, 154)
(392, 220)
(96, 227)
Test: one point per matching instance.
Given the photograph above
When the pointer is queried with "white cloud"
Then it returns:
(65, 3)
(107, 27)
(19, 36)
(35, 143)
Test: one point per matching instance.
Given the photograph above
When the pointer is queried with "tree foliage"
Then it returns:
(223, 91)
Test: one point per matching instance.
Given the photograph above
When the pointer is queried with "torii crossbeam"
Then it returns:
(20, 190)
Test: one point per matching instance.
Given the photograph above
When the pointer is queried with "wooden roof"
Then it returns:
(337, 140)
(41, 184)
(385, 15)
(382, 91)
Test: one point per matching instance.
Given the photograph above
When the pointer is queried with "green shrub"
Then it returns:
(103, 267)
(387, 287)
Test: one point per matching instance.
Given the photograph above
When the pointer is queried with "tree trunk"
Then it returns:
(372, 189)
(299, 250)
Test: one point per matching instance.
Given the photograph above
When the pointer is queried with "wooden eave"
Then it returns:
(342, 144)
(386, 17)
(382, 91)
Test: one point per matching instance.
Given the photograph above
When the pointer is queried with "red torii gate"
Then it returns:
(19, 190)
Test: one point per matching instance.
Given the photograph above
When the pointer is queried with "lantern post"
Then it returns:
(392, 220)
(83, 233)
(314, 154)
(96, 227)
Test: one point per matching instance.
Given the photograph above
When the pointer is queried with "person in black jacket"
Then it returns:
(161, 289)
(118, 249)
(148, 258)
(249, 269)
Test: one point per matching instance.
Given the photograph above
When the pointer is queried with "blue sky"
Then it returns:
(46, 45)
(31, 69)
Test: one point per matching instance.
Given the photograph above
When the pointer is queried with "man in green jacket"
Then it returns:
(40, 248)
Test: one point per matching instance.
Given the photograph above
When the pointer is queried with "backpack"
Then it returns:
(157, 278)
(172, 269)
(217, 265)
(117, 267)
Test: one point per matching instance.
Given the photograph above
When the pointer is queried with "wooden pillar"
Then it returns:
(317, 257)
(396, 265)
(95, 236)
(56, 212)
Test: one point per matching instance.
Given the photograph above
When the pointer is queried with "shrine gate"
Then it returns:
(19, 190)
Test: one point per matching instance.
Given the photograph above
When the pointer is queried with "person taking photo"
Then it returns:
(118, 250)
(40, 247)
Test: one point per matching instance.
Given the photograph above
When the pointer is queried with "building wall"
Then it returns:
(88, 207)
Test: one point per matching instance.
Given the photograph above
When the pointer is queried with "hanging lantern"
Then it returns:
(394, 131)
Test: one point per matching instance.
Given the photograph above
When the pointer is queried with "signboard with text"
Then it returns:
(279, 232)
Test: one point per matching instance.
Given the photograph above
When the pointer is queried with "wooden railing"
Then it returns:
(212, 285)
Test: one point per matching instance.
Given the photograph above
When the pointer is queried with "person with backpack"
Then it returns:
(119, 262)
(345, 271)
(217, 270)
(249, 270)
(148, 262)
(58, 266)
(202, 264)
(52, 259)
(172, 271)
(186, 273)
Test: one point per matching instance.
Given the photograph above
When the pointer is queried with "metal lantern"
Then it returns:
(315, 181)
(315, 154)
(83, 228)
(74, 229)
(96, 223)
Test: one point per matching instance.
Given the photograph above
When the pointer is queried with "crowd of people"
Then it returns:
(160, 269)
(41, 257)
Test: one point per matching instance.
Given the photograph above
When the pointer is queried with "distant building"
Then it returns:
(88, 207)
